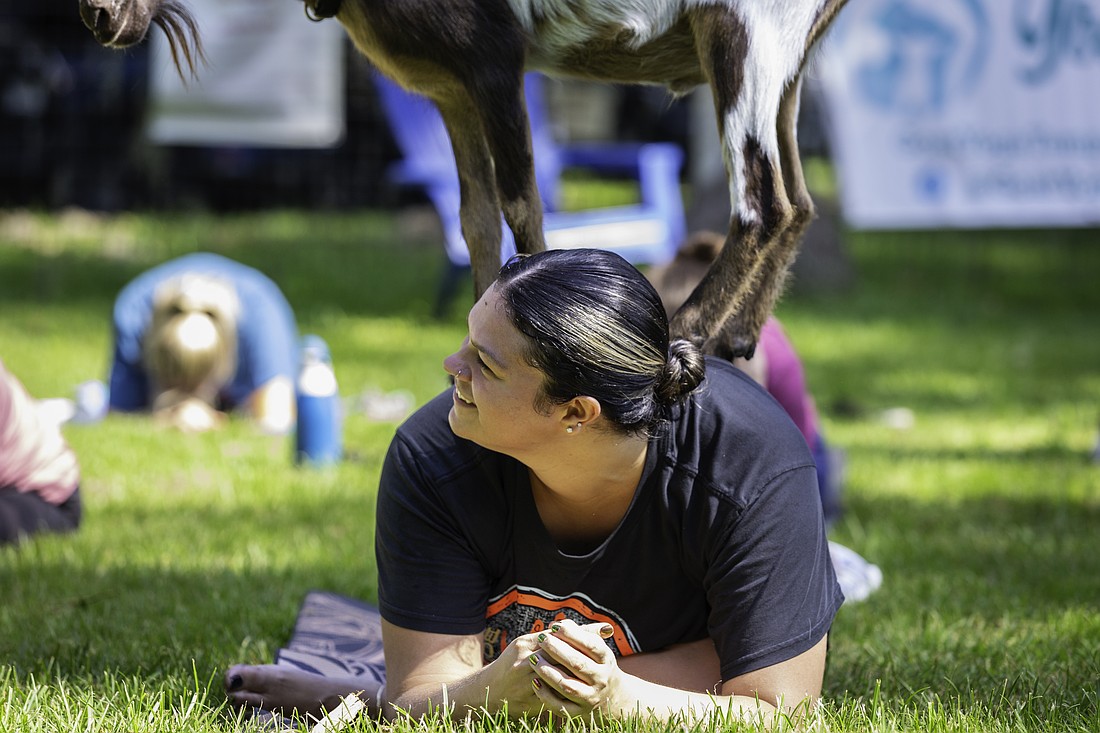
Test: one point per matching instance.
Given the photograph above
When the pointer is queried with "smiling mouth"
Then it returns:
(460, 399)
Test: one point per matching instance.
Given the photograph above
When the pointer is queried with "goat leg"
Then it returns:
(480, 208)
(741, 330)
(721, 40)
(508, 133)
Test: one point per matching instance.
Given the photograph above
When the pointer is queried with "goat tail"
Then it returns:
(184, 41)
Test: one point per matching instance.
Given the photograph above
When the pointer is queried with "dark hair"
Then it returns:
(595, 326)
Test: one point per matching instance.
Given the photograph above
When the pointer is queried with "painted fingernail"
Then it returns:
(533, 659)
(541, 638)
(236, 682)
(536, 683)
(606, 631)
(556, 628)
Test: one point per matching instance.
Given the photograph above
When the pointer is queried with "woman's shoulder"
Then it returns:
(426, 438)
(728, 397)
(430, 466)
(731, 435)
(428, 423)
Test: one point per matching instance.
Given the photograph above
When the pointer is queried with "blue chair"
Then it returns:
(649, 232)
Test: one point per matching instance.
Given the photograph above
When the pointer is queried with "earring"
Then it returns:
(569, 429)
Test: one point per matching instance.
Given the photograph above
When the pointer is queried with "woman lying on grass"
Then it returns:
(591, 520)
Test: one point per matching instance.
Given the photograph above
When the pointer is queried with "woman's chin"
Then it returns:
(463, 418)
(454, 421)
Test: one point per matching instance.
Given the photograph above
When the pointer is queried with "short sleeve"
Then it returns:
(770, 581)
(430, 575)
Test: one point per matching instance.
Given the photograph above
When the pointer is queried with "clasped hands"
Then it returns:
(565, 669)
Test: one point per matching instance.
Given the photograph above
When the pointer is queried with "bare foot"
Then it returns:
(292, 691)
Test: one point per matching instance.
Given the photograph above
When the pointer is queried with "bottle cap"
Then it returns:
(314, 349)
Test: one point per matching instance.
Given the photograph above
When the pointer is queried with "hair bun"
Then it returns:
(684, 371)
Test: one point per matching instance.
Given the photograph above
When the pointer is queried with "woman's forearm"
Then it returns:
(640, 697)
(684, 679)
(458, 698)
(678, 682)
(690, 666)
(506, 680)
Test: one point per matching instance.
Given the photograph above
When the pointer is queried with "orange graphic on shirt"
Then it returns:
(528, 611)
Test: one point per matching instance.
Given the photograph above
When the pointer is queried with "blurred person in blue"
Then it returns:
(201, 335)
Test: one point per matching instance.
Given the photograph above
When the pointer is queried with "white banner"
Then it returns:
(965, 113)
(274, 79)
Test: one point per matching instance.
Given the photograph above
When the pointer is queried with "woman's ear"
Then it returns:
(581, 411)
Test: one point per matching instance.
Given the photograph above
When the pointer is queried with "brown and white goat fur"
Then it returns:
(468, 56)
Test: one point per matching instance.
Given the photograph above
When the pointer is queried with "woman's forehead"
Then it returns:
(492, 331)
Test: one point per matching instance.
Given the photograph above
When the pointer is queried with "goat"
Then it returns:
(468, 56)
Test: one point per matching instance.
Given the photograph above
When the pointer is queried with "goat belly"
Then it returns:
(657, 50)
(679, 71)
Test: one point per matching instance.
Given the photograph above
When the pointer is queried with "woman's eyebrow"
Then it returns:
(488, 354)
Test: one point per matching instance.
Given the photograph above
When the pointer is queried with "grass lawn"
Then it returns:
(983, 513)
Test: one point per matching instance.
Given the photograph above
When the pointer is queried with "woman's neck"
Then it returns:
(582, 498)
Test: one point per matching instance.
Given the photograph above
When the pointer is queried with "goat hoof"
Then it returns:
(730, 348)
(743, 347)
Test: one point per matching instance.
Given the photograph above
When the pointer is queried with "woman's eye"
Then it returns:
(484, 367)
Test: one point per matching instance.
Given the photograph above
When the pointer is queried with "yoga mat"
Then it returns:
(334, 636)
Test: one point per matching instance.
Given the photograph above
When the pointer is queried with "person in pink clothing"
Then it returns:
(39, 473)
(776, 365)
(778, 368)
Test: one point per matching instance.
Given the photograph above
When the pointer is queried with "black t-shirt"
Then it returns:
(724, 538)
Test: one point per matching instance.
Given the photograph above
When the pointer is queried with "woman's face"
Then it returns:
(495, 388)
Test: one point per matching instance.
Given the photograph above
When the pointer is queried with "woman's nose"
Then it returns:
(453, 365)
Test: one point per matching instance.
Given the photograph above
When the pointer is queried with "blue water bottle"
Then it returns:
(318, 439)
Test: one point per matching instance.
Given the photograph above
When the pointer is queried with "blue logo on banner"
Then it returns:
(931, 184)
(1056, 32)
(931, 54)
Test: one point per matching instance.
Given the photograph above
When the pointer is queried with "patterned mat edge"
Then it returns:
(333, 636)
